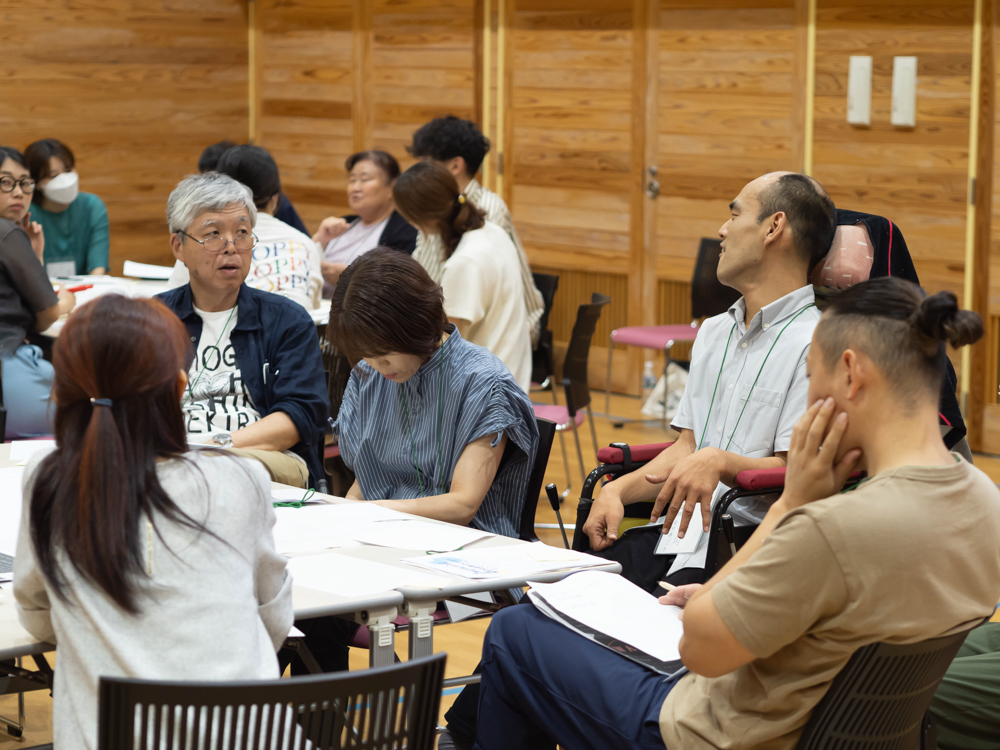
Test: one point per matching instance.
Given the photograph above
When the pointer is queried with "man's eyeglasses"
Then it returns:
(7, 184)
(243, 244)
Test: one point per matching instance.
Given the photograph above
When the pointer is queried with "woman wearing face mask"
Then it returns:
(27, 304)
(370, 179)
(75, 223)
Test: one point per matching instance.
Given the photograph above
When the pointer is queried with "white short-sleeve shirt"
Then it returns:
(481, 283)
(731, 361)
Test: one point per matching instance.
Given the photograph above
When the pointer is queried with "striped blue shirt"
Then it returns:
(478, 397)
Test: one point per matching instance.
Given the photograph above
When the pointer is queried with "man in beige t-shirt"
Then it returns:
(909, 555)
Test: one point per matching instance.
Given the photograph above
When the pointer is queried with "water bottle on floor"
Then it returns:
(648, 380)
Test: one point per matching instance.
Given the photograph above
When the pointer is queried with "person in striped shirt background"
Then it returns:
(460, 147)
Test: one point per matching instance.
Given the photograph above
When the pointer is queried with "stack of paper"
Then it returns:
(514, 560)
(146, 271)
(22, 450)
(617, 614)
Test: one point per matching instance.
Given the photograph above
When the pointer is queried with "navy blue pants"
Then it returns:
(543, 684)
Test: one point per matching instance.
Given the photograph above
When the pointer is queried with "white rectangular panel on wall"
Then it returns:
(859, 90)
(904, 91)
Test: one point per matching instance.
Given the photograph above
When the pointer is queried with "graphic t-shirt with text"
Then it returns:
(216, 400)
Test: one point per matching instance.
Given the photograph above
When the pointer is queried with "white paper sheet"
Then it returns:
(351, 577)
(10, 507)
(671, 544)
(22, 450)
(295, 495)
(146, 271)
(612, 605)
(503, 562)
(419, 535)
(324, 526)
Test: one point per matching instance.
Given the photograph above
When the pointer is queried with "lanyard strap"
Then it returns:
(409, 429)
(201, 370)
(754, 385)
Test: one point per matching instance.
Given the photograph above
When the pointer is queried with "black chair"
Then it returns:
(546, 434)
(542, 359)
(879, 701)
(709, 296)
(574, 380)
(3, 409)
(377, 708)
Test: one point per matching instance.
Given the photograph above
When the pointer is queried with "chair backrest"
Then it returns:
(546, 434)
(849, 261)
(578, 353)
(709, 296)
(541, 358)
(376, 708)
(878, 700)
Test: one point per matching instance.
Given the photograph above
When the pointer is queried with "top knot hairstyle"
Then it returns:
(899, 326)
(427, 195)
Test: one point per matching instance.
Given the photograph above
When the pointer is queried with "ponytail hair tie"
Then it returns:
(461, 198)
(101, 402)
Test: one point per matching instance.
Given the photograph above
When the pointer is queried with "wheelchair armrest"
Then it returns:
(615, 453)
(771, 479)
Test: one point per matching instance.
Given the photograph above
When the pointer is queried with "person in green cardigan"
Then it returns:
(75, 223)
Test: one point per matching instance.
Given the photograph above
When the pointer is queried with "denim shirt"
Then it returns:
(277, 349)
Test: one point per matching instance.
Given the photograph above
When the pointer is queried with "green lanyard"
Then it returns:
(704, 431)
(413, 443)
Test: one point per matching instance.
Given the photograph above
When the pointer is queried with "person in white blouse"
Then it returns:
(147, 561)
(371, 176)
(481, 279)
(285, 261)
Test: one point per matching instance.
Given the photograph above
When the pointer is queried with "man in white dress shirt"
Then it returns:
(748, 385)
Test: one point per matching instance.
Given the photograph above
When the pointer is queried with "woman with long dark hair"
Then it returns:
(136, 558)
(482, 286)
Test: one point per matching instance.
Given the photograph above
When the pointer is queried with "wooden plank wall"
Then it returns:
(339, 76)
(727, 81)
(136, 90)
(915, 176)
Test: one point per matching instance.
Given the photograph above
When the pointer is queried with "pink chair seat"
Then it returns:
(654, 337)
(331, 451)
(557, 414)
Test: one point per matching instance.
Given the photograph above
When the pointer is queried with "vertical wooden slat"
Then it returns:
(979, 386)
(361, 54)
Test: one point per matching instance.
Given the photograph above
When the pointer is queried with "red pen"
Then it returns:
(82, 287)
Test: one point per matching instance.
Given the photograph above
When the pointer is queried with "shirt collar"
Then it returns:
(473, 190)
(777, 311)
(446, 350)
(248, 319)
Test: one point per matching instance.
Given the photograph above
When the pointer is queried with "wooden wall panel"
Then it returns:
(306, 82)
(137, 90)
(726, 102)
(915, 176)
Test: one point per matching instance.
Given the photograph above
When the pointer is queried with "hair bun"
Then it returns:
(938, 317)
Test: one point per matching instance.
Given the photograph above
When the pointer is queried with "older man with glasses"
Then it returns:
(256, 385)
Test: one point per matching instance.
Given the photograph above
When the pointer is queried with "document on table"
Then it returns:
(617, 614)
(325, 526)
(352, 577)
(410, 533)
(22, 450)
(10, 507)
(146, 271)
(514, 560)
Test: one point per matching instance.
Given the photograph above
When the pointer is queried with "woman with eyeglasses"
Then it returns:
(75, 223)
(28, 304)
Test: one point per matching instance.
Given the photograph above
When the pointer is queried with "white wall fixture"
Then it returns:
(904, 91)
(859, 90)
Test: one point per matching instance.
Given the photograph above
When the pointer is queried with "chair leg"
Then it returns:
(593, 432)
(579, 450)
(562, 444)
(607, 383)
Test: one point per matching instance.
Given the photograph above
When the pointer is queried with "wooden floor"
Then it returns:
(463, 641)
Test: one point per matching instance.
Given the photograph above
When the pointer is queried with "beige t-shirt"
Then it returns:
(482, 284)
(911, 554)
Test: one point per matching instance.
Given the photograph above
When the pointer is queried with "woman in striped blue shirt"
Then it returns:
(430, 424)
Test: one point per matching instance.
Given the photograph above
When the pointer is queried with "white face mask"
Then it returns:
(63, 188)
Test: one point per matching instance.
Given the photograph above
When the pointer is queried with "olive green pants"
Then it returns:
(966, 705)
(283, 468)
